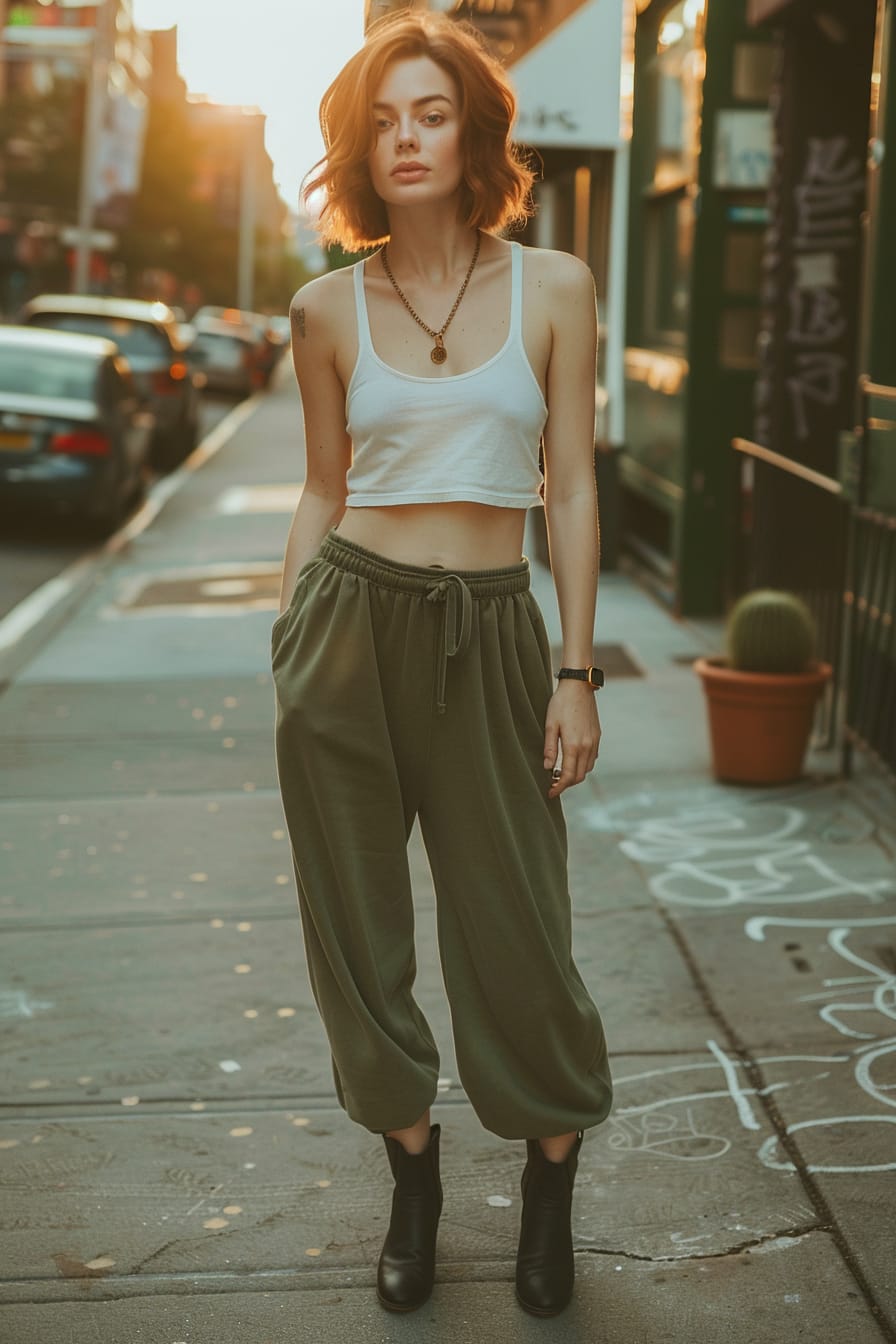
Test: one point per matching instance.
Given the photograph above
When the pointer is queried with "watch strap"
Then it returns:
(594, 676)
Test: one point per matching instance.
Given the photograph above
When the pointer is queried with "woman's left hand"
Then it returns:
(572, 727)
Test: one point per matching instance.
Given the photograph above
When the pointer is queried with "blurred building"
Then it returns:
(233, 174)
(232, 159)
(51, 53)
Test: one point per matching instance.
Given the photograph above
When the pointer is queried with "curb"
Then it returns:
(35, 620)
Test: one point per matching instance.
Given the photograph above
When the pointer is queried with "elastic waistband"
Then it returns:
(379, 569)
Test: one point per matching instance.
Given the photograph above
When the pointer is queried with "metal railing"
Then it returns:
(821, 586)
(870, 603)
(855, 609)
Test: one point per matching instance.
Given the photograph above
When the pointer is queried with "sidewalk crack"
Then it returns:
(788, 1233)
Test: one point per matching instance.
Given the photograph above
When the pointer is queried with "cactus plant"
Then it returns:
(770, 631)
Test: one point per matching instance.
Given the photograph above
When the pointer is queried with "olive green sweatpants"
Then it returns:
(404, 692)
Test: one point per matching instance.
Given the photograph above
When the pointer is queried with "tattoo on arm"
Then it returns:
(298, 320)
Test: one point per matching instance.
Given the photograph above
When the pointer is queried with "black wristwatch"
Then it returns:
(593, 675)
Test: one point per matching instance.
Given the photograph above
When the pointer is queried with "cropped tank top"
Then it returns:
(466, 436)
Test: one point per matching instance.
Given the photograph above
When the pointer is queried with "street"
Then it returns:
(173, 1163)
(33, 549)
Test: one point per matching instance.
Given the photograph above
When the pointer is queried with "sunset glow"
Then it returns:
(265, 54)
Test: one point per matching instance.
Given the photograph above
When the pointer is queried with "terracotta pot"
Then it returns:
(759, 723)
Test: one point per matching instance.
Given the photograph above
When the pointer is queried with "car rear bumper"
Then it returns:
(229, 380)
(68, 484)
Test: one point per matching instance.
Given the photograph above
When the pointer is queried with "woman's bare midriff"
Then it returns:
(459, 535)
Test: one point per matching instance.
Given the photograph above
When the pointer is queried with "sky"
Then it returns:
(274, 55)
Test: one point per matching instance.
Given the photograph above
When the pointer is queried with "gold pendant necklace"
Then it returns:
(438, 354)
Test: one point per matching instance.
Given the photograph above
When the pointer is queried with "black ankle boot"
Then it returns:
(407, 1264)
(545, 1269)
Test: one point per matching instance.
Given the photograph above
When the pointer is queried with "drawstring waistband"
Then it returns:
(451, 589)
(457, 589)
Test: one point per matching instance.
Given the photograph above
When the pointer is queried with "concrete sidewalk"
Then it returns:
(173, 1164)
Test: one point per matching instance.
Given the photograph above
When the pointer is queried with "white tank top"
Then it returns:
(465, 436)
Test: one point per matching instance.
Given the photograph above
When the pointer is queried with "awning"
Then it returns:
(570, 84)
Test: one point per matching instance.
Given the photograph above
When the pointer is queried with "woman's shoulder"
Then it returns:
(326, 302)
(561, 271)
(320, 294)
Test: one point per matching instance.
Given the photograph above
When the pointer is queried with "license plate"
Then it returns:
(14, 443)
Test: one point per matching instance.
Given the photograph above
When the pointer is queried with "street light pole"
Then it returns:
(4, 6)
(94, 115)
(248, 213)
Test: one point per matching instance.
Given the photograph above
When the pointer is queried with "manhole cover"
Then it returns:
(615, 659)
(244, 587)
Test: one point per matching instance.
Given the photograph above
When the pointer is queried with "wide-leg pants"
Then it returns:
(403, 692)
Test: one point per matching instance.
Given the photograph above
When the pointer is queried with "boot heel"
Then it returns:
(406, 1268)
(545, 1265)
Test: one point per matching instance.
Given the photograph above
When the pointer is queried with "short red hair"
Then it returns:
(497, 178)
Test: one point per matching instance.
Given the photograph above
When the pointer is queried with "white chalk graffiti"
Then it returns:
(18, 1003)
(715, 854)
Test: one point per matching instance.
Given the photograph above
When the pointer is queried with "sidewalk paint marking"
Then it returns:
(666, 1135)
(767, 1151)
(755, 928)
(169, 485)
(697, 1096)
(766, 1059)
(718, 855)
(863, 1074)
(738, 1095)
(28, 613)
(17, 1003)
(260, 498)
(196, 1207)
(33, 608)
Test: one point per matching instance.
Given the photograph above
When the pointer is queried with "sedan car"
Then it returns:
(74, 433)
(149, 337)
(224, 352)
(270, 341)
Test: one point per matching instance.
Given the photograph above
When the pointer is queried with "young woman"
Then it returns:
(411, 663)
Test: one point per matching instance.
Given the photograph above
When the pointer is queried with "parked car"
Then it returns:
(149, 337)
(225, 354)
(74, 432)
(268, 340)
(279, 324)
(185, 329)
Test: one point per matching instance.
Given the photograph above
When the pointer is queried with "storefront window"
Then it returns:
(670, 237)
(677, 69)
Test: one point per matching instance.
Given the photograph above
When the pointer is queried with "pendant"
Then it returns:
(438, 354)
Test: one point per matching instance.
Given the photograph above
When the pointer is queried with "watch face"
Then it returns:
(595, 676)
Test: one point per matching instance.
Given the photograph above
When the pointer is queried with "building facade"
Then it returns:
(701, 166)
(53, 55)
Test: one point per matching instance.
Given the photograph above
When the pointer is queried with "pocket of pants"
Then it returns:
(280, 624)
